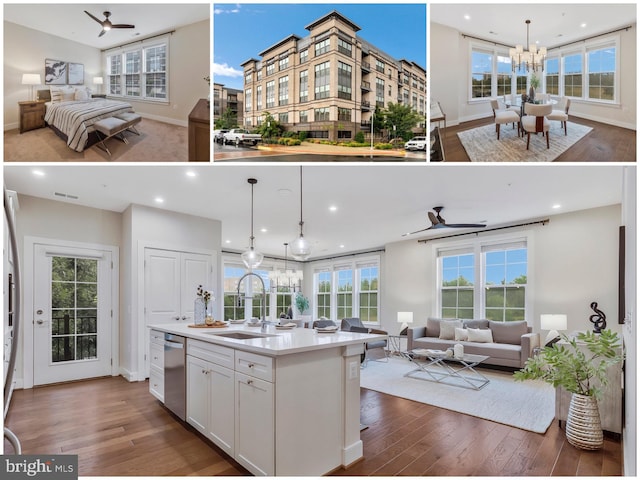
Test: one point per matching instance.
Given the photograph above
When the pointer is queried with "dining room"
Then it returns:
(538, 82)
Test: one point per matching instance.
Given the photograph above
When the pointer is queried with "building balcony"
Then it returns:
(365, 86)
(366, 67)
(365, 106)
(365, 125)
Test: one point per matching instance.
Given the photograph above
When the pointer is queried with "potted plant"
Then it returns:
(302, 303)
(565, 365)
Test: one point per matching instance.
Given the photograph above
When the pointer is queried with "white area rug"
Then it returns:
(482, 145)
(527, 405)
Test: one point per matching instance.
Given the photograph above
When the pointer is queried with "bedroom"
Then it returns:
(158, 70)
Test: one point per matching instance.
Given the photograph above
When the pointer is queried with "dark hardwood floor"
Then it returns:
(605, 143)
(118, 429)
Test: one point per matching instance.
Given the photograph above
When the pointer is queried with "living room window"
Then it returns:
(504, 76)
(505, 280)
(323, 294)
(369, 294)
(344, 294)
(457, 285)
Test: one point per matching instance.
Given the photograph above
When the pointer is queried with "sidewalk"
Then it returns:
(319, 149)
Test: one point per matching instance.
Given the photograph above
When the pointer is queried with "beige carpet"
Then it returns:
(158, 142)
(527, 405)
(482, 145)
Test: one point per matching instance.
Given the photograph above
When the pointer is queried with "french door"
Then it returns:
(72, 313)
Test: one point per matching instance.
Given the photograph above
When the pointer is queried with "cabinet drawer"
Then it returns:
(257, 366)
(210, 352)
(157, 355)
(35, 107)
(156, 383)
(157, 337)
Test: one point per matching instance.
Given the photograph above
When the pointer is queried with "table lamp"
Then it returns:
(405, 318)
(553, 323)
(98, 81)
(31, 79)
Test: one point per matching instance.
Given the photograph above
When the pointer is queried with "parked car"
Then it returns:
(416, 143)
(218, 135)
(240, 135)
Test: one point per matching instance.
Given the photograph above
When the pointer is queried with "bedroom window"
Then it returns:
(141, 73)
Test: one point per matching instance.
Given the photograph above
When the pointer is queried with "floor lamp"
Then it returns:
(31, 79)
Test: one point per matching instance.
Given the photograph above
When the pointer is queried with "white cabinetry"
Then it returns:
(156, 371)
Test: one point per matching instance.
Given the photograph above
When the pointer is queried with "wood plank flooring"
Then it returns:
(605, 143)
(118, 429)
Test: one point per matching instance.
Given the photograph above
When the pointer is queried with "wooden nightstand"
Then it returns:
(98, 95)
(31, 115)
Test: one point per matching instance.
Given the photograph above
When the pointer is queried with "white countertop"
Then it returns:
(284, 342)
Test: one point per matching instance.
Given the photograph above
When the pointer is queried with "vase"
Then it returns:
(199, 311)
(532, 94)
(584, 429)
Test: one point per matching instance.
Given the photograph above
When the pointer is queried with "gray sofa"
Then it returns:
(510, 345)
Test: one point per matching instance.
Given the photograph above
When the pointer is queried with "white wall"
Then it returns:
(25, 51)
(575, 262)
(450, 74)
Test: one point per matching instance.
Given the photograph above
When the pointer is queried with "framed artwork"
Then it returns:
(75, 73)
(55, 72)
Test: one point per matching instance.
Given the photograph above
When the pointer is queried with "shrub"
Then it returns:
(383, 146)
(359, 138)
(293, 142)
(303, 136)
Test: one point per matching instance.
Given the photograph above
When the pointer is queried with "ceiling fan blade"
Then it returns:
(123, 25)
(99, 21)
(102, 33)
(433, 218)
(417, 231)
(466, 225)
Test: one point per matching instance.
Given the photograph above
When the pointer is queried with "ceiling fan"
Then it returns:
(106, 23)
(438, 222)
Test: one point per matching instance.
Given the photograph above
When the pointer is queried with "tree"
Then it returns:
(403, 117)
(227, 120)
(378, 120)
(269, 127)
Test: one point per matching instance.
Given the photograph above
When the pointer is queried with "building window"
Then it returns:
(344, 80)
(421, 105)
(405, 79)
(304, 116)
(481, 74)
(319, 134)
(552, 76)
(323, 294)
(322, 80)
(304, 56)
(140, 73)
(323, 46)
(283, 117)
(344, 134)
(283, 90)
(344, 294)
(405, 97)
(573, 75)
(414, 101)
(504, 75)
(271, 94)
(344, 47)
(380, 92)
(505, 280)
(368, 294)
(379, 66)
(344, 114)
(247, 100)
(304, 86)
(457, 286)
(271, 67)
(283, 64)
(321, 114)
(248, 77)
(602, 73)
(260, 74)
(259, 97)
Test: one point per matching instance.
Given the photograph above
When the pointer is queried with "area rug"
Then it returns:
(482, 145)
(526, 405)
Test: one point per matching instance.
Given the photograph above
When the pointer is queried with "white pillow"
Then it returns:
(448, 327)
(68, 94)
(479, 335)
(81, 94)
(461, 335)
(56, 94)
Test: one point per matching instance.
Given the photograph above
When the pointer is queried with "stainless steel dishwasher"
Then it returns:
(175, 383)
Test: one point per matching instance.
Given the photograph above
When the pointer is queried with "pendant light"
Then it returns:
(300, 247)
(285, 280)
(251, 258)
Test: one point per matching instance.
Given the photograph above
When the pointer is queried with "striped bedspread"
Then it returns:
(75, 118)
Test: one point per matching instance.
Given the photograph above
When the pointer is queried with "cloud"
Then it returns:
(218, 11)
(224, 70)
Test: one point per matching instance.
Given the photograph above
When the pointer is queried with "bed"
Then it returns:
(73, 119)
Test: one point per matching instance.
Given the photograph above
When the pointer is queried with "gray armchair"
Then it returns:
(355, 325)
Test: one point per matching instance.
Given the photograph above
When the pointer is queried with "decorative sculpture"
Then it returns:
(599, 320)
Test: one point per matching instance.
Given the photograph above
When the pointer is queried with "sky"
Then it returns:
(241, 31)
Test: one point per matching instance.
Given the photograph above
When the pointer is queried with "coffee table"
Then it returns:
(449, 368)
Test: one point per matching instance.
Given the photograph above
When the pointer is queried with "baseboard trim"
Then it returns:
(170, 121)
(128, 375)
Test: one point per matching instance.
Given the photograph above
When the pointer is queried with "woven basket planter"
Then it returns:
(584, 429)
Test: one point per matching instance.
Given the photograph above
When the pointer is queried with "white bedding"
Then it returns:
(76, 118)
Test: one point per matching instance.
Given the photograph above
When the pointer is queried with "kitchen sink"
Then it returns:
(241, 335)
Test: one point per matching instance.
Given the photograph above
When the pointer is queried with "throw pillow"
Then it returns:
(479, 336)
(476, 323)
(81, 94)
(508, 332)
(433, 326)
(448, 329)
(461, 335)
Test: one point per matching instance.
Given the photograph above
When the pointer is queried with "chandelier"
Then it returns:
(531, 60)
(250, 257)
(300, 247)
(285, 280)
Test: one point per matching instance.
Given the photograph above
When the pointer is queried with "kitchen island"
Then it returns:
(280, 402)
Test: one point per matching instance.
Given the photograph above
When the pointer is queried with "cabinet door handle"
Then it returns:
(249, 382)
(183, 317)
(251, 365)
(176, 318)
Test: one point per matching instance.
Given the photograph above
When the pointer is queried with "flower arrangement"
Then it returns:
(205, 295)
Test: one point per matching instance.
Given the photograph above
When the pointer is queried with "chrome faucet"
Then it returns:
(264, 298)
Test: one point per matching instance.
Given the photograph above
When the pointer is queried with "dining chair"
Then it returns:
(502, 116)
(356, 325)
(535, 120)
(562, 113)
(510, 103)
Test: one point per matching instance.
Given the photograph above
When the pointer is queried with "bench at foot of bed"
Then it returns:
(110, 127)
(131, 119)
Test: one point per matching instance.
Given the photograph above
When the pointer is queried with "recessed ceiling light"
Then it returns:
(191, 173)
(341, 246)
(333, 208)
(556, 206)
(583, 25)
(227, 241)
(263, 230)
(284, 192)
(159, 200)
(38, 173)
(467, 17)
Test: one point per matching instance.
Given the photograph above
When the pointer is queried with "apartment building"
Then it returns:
(227, 98)
(329, 83)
